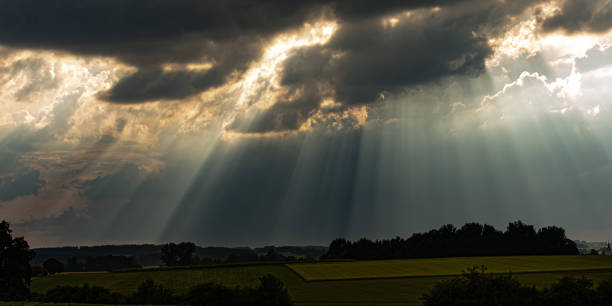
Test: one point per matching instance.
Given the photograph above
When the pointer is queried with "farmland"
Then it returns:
(342, 284)
(447, 266)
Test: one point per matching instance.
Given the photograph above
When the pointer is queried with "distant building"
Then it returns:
(607, 250)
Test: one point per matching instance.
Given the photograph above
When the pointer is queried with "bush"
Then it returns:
(153, 294)
(84, 294)
(272, 292)
(475, 287)
(212, 295)
(53, 266)
(603, 293)
(570, 291)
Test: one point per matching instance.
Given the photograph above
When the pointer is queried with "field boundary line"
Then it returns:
(442, 275)
(205, 267)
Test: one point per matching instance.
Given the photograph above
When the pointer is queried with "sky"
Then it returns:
(248, 123)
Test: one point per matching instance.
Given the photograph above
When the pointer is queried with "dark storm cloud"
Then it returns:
(229, 33)
(141, 32)
(150, 33)
(581, 16)
(414, 52)
(367, 58)
(152, 83)
(135, 29)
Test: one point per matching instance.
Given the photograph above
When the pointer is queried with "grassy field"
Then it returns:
(383, 291)
(447, 266)
(176, 280)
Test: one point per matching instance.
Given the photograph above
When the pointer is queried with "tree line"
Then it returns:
(472, 239)
(182, 254)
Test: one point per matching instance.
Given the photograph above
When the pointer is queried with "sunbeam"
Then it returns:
(235, 124)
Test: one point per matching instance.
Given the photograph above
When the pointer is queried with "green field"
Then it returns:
(176, 280)
(447, 266)
(382, 291)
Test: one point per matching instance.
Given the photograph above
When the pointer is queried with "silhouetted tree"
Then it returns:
(177, 254)
(15, 270)
(553, 238)
(53, 266)
(523, 235)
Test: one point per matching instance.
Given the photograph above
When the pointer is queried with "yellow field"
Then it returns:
(447, 266)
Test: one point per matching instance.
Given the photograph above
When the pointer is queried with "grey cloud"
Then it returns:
(118, 185)
(595, 58)
(581, 16)
(12, 187)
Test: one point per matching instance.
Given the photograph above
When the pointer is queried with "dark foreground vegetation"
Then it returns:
(472, 239)
(271, 291)
(475, 287)
(15, 271)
